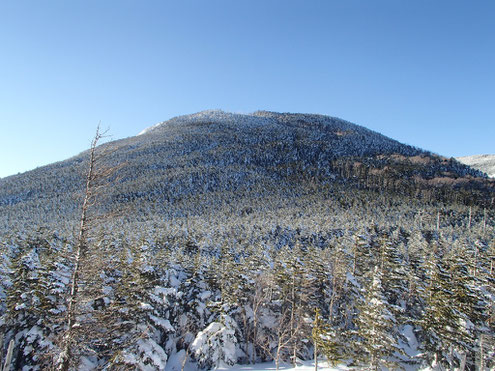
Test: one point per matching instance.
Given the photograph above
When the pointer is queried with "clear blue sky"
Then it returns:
(421, 71)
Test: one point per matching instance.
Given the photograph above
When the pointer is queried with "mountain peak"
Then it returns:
(259, 118)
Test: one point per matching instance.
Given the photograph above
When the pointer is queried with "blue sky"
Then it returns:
(422, 72)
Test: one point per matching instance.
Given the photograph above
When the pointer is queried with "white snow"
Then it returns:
(87, 364)
(485, 163)
(163, 323)
(146, 306)
(411, 347)
(205, 295)
(303, 366)
(216, 343)
(175, 361)
(149, 129)
(155, 352)
(217, 116)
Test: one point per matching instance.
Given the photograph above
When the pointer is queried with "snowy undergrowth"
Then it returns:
(302, 366)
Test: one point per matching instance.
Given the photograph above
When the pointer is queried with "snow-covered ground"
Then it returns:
(149, 128)
(176, 360)
(304, 366)
(175, 364)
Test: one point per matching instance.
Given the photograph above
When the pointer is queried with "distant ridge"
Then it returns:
(484, 163)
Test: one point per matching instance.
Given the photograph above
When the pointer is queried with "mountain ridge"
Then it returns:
(484, 163)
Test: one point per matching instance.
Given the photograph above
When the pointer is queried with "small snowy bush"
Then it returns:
(215, 346)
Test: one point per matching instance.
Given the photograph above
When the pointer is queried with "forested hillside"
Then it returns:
(220, 238)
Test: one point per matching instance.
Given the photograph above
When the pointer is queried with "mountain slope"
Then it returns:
(179, 166)
(484, 163)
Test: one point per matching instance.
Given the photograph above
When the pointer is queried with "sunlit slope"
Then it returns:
(484, 163)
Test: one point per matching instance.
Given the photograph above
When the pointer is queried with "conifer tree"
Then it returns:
(394, 274)
(35, 303)
(440, 321)
(375, 323)
(216, 346)
(326, 341)
(469, 298)
(137, 324)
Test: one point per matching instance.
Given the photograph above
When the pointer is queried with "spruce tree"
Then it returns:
(375, 324)
(440, 321)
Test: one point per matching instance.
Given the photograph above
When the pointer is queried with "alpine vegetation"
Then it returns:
(216, 239)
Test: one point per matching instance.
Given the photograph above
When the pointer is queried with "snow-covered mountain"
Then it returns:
(224, 155)
(216, 239)
(484, 163)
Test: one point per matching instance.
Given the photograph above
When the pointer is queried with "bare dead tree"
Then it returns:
(251, 322)
(259, 299)
(283, 338)
(80, 252)
(8, 357)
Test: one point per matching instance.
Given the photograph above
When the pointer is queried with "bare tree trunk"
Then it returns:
(382, 255)
(65, 356)
(1, 350)
(482, 354)
(470, 216)
(184, 361)
(8, 357)
(354, 263)
(332, 297)
(293, 319)
(463, 362)
(475, 260)
(258, 299)
(484, 221)
(316, 357)
(277, 359)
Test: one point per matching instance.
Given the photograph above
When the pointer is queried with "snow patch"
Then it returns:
(163, 323)
(485, 163)
(147, 130)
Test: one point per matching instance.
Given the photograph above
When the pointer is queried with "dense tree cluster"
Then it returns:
(389, 286)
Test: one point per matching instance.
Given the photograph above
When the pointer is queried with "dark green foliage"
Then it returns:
(35, 300)
(326, 340)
